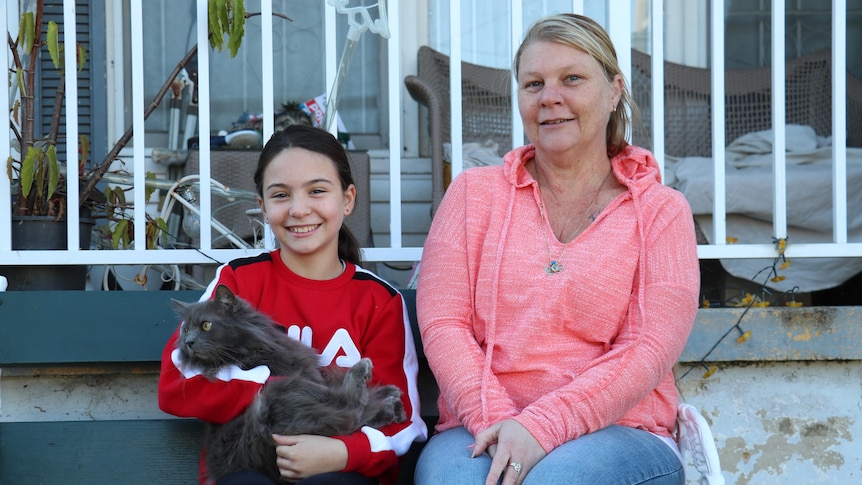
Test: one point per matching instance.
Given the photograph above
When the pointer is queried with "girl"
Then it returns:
(314, 287)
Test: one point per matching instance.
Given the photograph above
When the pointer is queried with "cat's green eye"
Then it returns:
(206, 326)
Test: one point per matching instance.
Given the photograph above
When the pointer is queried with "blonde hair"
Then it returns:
(585, 34)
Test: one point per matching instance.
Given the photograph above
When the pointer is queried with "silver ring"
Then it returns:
(516, 466)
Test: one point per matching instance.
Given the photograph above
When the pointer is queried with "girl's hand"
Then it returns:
(514, 445)
(305, 455)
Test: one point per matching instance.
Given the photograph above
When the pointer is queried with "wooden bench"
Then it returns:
(93, 333)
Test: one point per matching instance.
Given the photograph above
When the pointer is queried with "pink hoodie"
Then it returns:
(568, 353)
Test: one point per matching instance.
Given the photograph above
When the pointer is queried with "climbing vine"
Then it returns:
(765, 298)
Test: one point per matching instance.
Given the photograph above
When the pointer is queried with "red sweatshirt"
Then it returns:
(350, 317)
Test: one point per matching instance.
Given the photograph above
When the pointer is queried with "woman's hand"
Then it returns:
(305, 455)
(514, 446)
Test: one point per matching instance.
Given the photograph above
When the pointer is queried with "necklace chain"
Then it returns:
(554, 265)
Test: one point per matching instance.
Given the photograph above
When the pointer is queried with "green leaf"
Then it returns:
(115, 198)
(28, 170)
(163, 228)
(163, 225)
(27, 32)
(53, 171)
(237, 30)
(82, 57)
(19, 74)
(223, 12)
(16, 106)
(148, 190)
(54, 43)
(119, 233)
(214, 21)
(9, 162)
(85, 151)
(119, 197)
(22, 30)
(153, 232)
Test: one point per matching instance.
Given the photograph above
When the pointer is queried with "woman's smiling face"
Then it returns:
(304, 203)
(564, 98)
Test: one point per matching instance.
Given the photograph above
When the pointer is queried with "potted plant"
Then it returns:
(35, 167)
(39, 204)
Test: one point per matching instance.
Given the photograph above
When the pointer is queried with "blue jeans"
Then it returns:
(616, 455)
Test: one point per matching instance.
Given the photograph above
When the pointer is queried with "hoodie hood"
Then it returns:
(634, 167)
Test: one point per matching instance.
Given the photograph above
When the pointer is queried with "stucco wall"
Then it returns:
(785, 405)
(784, 422)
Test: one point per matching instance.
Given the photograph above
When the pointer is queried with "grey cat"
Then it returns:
(306, 399)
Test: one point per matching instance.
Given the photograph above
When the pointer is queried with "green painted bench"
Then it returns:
(124, 332)
(91, 332)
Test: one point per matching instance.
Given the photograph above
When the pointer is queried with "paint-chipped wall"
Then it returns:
(785, 405)
(784, 422)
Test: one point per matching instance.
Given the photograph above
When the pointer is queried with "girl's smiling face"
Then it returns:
(305, 205)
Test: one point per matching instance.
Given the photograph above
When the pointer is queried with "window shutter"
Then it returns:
(50, 78)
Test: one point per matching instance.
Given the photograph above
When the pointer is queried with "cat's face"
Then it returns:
(210, 329)
(227, 330)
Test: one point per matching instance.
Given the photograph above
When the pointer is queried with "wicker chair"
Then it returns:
(487, 113)
(748, 102)
(486, 108)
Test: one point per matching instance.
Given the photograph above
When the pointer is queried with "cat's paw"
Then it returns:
(388, 391)
(388, 410)
(398, 413)
(384, 407)
(361, 371)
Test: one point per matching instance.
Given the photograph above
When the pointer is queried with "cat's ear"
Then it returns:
(224, 296)
(179, 306)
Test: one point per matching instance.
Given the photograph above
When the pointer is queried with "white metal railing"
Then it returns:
(840, 246)
(620, 30)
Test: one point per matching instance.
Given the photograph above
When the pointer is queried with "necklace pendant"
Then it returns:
(553, 268)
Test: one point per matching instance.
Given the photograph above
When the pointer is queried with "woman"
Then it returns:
(314, 287)
(557, 291)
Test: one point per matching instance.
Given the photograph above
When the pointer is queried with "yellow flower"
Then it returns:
(780, 245)
(785, 264)
(777, 278)
(760, 304)
(744, 337)
(710, 372)
(731, 240)
(793, 303)
(745, 301)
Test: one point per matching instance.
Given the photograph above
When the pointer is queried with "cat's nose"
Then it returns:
(189, 343)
